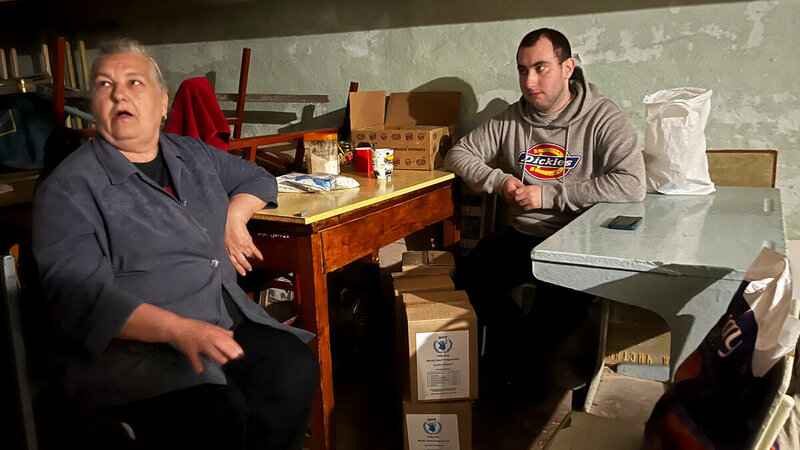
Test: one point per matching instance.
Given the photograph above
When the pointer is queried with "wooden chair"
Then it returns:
(752, 168)
(253, 147)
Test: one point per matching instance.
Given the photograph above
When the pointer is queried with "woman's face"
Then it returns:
(129, 104)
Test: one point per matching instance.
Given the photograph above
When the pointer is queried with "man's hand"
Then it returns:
(510, 186)
(240, 245)
(195, 337)
(238, 242)
(528, 197)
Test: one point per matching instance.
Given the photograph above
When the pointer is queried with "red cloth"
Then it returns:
(196, 113)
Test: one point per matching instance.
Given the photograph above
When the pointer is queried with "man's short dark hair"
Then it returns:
(559, 41)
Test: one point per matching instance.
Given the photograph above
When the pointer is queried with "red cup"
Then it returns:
(364, 159)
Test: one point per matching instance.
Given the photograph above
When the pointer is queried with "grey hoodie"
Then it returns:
(602, 160)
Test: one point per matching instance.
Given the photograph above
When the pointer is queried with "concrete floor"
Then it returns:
(368, 400)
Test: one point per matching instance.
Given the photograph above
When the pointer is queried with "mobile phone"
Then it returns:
(625, 222)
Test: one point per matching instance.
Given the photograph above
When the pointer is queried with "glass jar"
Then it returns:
(322, 152)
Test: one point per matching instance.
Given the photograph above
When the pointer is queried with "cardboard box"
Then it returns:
(437, 425)
(430, 260)
(406, 285)
(435, 297)
(443, 351)
(422, 271)
(415, 284)
(419, 126)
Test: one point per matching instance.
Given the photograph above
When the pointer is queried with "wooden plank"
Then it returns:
(275, 98)
(357, 238)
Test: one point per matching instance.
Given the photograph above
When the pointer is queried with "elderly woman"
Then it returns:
(138, 236)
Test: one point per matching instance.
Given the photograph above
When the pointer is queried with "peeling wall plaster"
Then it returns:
(745, 51)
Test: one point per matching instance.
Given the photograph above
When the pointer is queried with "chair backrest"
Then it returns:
(751, 168)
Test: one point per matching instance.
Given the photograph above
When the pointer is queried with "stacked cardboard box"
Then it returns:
(430, 262)
(437, 333)
(419, 126)
(441, 425)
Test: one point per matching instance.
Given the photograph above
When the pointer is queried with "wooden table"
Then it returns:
(684, 262)
(311, 235)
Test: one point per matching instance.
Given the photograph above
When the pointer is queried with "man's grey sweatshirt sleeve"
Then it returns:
(472, 158)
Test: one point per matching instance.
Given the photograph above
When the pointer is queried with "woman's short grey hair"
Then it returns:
(131, 47)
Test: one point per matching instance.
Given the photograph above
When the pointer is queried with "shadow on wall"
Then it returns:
(159, 22)
(469, 116)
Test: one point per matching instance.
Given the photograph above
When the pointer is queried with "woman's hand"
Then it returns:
(238, 241)
(149, 323)
(195, 337)
(240, 246)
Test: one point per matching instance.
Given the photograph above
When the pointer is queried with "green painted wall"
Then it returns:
(745, 51)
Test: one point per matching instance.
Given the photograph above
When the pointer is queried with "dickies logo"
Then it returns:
(432, 426)
(548, 161)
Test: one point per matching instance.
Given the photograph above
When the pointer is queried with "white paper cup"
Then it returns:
(383, 163)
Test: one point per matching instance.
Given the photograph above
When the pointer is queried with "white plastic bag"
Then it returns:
(769, 295)
(675, 141)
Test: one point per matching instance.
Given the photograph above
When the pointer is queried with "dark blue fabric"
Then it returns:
(107, 238)
(25, 122)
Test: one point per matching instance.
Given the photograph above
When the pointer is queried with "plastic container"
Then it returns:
(322, 152)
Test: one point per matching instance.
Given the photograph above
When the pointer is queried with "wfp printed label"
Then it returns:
(443, 365)
(432, 431)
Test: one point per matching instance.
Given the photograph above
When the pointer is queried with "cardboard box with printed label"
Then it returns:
(401, 323)
(429, 261)
(404, 286)
(443, 351)
(437, 425)
(419, 126)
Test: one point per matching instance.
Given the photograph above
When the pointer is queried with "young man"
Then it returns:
(557, 151)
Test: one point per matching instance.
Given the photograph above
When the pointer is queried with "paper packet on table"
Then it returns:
(314, 182)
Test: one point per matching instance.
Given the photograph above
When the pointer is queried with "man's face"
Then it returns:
(128, 102)
(543, 80)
